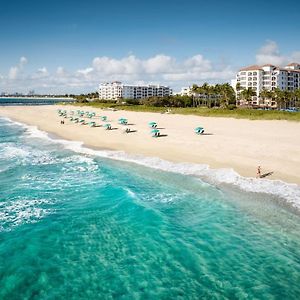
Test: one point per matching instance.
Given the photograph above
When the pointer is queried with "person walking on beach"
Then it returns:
(258, 173)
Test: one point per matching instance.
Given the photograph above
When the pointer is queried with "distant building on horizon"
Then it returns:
(116, 90)
(266, 77)
(186, 91)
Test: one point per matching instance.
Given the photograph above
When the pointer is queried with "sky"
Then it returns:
(72, 46)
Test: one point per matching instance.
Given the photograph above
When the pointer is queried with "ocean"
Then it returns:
(78, 223)
(15, 101)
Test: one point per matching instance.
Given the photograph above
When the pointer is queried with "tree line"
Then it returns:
(205, 95)
(283, 98)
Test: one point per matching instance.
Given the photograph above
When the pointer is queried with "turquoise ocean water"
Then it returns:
(15, 101)
(80, 225)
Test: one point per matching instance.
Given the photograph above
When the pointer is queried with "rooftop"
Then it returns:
(293, 65)
(253, 67)
(257, 67)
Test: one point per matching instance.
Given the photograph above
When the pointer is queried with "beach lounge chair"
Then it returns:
(104, 118)
(199, 130)
(152, 124)
(155, 132)
(92, 124)
(126, 129)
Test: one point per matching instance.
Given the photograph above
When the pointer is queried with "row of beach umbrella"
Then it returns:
(77, 117)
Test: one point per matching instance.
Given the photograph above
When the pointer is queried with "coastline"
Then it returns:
(229, 143)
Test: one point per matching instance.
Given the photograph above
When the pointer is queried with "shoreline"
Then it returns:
(182, 145)
(36, 97)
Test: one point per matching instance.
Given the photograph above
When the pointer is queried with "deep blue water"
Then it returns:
(29, 101)
(78, 226)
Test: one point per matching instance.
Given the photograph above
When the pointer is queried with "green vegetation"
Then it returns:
(283, 99)
(243, 113)
(220, 95)
(206, 100)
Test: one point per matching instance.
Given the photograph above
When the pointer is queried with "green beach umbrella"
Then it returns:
(155, 131)
(152, 124)
(107, 126)
(199, 130)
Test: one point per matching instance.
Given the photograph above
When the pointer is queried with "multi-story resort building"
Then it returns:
(116, 90)
(266, 77)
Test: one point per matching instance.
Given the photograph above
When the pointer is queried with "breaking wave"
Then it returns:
(287, 191)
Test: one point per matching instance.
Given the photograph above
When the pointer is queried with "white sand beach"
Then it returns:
(227, 143)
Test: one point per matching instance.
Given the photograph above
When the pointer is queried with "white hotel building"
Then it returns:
(266, 77)
(116, 90)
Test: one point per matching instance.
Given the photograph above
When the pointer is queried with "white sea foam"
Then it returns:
(289, 192)
(21, 211)
(9, 151)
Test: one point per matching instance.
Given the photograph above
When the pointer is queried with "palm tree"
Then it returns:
(247, 95)
(297, 98)
(238, 88)
(279, 95)
(264, 94)
(229, 93)
(287, 96)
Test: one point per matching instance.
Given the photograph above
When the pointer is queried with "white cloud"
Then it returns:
(23, 61)
(41, 73)
(295, 57)
(198, 62)
(85, 72)
(159, 68)
(270, 54)
(13, 73)
(16, 70)
(60, 71)
(159, 64)
(43, 70)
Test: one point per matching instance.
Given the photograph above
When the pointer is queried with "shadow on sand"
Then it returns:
(266, 175)
(131, 131)
(162, 135)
